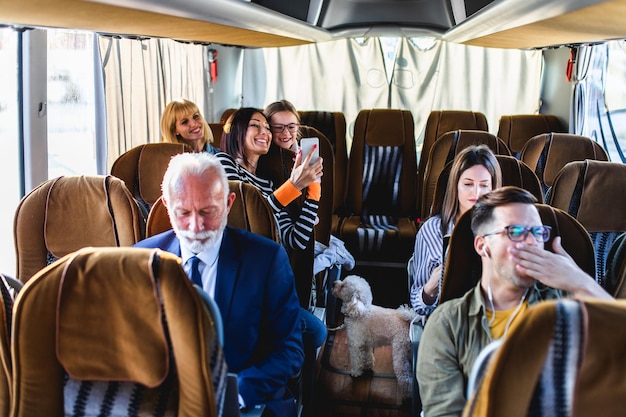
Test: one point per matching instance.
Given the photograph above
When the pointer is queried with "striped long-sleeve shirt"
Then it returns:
(427, 255)
(294, 234)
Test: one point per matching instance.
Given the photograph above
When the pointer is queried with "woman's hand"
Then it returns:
(431, 288)
(304, 173)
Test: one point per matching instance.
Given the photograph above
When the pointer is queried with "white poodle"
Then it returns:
(369, 326)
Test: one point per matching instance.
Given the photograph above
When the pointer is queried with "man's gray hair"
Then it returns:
(190, 164)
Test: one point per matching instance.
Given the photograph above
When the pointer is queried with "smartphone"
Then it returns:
(307, 144)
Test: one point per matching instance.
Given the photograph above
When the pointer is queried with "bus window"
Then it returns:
(9, 148)
(71, 104)
(615, 84)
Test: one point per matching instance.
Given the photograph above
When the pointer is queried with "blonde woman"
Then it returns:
(182, 122)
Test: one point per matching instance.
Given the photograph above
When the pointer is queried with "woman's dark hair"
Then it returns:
(234, 134)
(467, 158)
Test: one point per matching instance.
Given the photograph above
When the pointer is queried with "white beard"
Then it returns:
(196, 242)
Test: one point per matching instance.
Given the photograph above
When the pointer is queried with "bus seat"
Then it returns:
(615, 275)
(80, 340)
(514, 172)
(594, 192)
(217, 129)
(571, 347)
(70, 212)
(516, 130)
(438, 123)
(463, 265)
(444, 150)
(548, 153)
(327, 204)
(226, 114)
(6, 366)
(380, 191)
(333, 126)
(250, 211)
(277, 164)
(142, 169)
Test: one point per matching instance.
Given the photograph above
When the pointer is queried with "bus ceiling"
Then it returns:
(274, 23)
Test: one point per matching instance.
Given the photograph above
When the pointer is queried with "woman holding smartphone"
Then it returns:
(246, 138)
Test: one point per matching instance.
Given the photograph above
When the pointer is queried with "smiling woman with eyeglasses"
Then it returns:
(285, 124)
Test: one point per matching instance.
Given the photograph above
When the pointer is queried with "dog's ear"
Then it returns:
(355, 307)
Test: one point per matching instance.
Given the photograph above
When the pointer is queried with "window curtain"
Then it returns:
(348, 75)
(598, 100)
(140, 77)
(344, 75)
(492, 81)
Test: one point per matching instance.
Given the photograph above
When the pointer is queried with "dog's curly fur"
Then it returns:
(369, 326)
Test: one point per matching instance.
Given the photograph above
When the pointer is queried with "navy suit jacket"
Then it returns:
(255, 292)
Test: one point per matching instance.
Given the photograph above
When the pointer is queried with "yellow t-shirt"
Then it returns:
(501, 322)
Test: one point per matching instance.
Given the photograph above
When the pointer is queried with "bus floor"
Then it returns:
(337, 394)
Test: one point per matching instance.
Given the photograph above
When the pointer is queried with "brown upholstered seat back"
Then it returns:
(444, 150)
(377, 130)
(333, 126)
(123, 315)
(463, 265)
(142, 169)
(438, 123)
(250, 211)
(514, 172)
(516, 130)
(594, 192)
(67, 213)
(572, 347)
(6, 366)
(548, 153)
(327, 206)
(217, 129)
(381, 188)
(615, 272)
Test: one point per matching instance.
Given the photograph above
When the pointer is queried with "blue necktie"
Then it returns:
(195, 271)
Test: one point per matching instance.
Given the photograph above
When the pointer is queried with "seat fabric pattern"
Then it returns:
(381, 187)
(615, 276)
(444, 151)
(83, 347)
(546, 382)
(6, 316)
(548, 153)
(516, 130)
(67, 213)
(594, 192)
(142, 169)
(438, 123)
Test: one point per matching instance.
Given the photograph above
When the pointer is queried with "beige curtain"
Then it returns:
(347, 76)
(493, 81)
(342, 75)
(140, 77)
